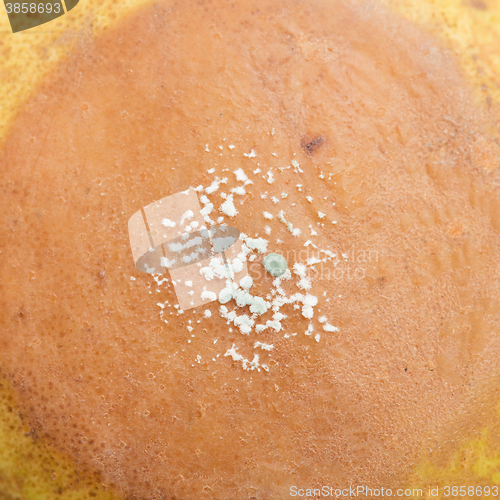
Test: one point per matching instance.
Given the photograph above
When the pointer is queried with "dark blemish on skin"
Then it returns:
(312, 146)
(33, 434)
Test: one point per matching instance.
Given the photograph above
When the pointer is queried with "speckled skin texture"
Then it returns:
(356, 94)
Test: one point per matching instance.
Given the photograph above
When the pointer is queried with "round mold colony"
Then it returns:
(275, 264)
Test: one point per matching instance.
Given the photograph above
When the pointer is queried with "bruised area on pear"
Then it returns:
(390, 148)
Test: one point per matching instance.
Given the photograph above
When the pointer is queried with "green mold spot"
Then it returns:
(275, 264)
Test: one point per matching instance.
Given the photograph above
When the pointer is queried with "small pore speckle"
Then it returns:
(312, 146)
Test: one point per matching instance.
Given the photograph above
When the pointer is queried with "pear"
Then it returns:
(334, 134)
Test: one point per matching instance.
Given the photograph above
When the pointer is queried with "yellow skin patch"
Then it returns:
(471, 29)
(476, 461)
(472, 32)
(31, 469)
